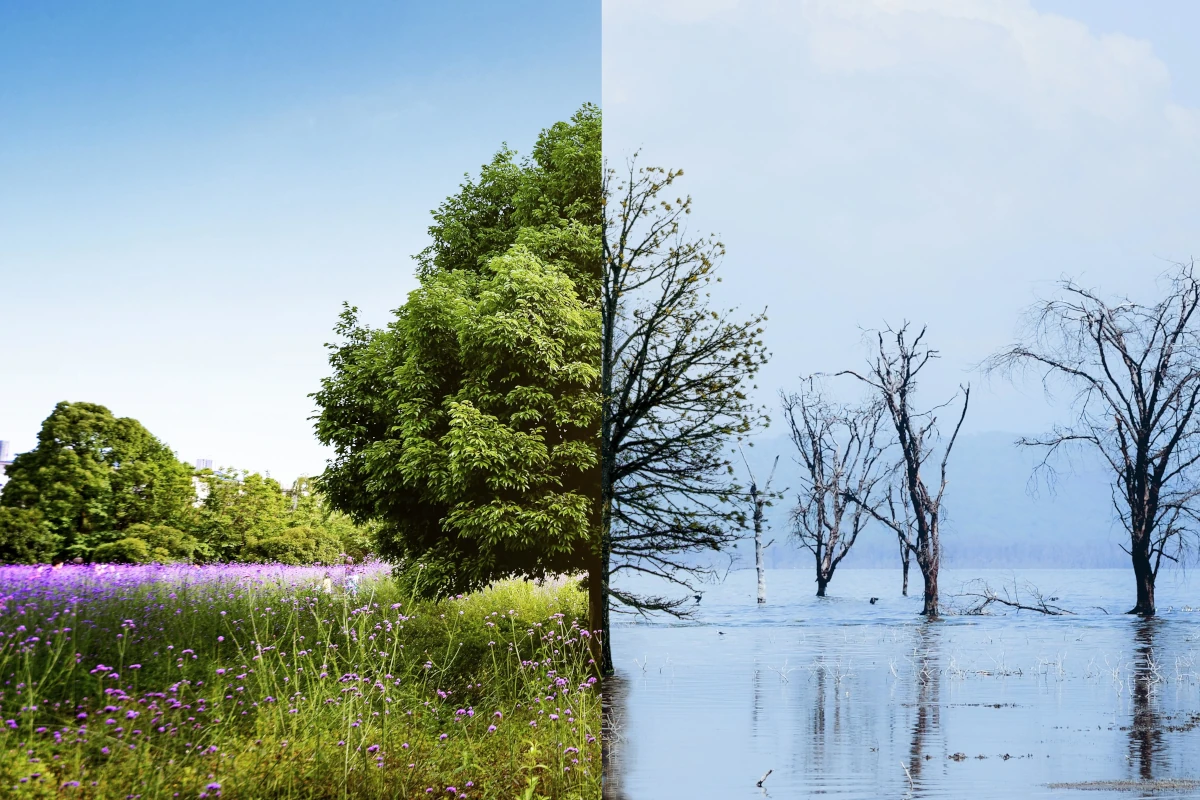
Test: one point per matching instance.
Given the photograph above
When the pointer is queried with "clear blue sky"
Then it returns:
(189, 190)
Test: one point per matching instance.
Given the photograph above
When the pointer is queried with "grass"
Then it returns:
(257, 682)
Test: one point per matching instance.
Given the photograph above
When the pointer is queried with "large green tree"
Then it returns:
(468, 428)
(93, 475)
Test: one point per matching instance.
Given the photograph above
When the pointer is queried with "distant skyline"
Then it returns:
(188, 193)
(938, 161)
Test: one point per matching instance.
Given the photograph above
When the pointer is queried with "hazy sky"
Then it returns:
(935, 160)
(189, 190)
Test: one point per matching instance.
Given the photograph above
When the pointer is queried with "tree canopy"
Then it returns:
(468, 427)
(93, 473)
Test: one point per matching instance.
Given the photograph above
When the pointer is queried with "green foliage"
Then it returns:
(308, 508)
(468, 428)
(25, 538)
(552, 203)
(128, 550)
(166, 544)
(93, 472)
(298, 545)
(248, 517)
(486, 411)
(240, 507)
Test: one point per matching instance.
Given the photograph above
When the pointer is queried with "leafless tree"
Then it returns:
(759, 500)
(892, 374)
(1135, 370)
(897, 497)
(841, 448)
(674, 384)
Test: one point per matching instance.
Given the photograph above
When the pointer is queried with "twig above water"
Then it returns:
(985, 596)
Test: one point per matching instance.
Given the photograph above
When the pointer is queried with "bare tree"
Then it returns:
(1135, 370)
(841, 449)
(893, 375)
(759, 500)
(905, 518)
(674, 375)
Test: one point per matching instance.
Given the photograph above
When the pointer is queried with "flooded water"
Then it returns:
(842, 698)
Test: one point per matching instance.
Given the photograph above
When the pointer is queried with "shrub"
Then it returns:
(124, 551)
(166, 544)
(299, 545)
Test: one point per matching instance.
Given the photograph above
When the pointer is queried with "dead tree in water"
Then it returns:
(1136, 372)
(906, 524)
(840, 448)
(760, 500)
(893, 375)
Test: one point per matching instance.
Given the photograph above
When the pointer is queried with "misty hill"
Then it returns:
(995, 514)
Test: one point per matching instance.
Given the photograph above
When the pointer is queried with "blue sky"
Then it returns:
(942, 161)
(188, 192)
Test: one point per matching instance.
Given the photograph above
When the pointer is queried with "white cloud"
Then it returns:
(1055, 65)
(930, 159)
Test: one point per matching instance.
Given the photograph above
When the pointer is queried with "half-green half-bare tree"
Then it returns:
(892, 374)
(1135, 371)
(675, 377)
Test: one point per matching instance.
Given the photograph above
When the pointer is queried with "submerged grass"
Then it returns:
(269, 682)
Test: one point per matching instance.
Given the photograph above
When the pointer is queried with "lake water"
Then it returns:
(841, 698)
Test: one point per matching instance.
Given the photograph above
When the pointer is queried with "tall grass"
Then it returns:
(245, 682)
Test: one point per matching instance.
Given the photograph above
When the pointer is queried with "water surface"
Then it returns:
(847, 699)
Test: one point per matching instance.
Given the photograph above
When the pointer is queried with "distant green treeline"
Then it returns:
(103, 488)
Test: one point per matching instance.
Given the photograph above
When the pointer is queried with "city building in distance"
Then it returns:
(5, 460)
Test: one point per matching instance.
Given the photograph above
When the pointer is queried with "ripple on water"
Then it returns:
(843, 698)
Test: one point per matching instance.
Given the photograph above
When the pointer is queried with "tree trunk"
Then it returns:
(596, 621)
(758, 546)
(602, 604)
(762, 576)
(1143, 574)
(821, 584)
(904, 561)
(930, 573)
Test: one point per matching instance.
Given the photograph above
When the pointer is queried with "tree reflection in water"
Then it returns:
(613, 710)
(927, 669)
(1145, 729)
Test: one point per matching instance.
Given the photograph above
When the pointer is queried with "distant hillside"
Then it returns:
(995, 515)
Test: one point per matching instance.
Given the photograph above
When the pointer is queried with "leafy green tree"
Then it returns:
(25, 538)
(468, 427)
(93, 473)
(239, 508)
(309, 508)
(299, 544)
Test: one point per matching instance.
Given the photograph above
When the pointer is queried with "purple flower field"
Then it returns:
(276, 681)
